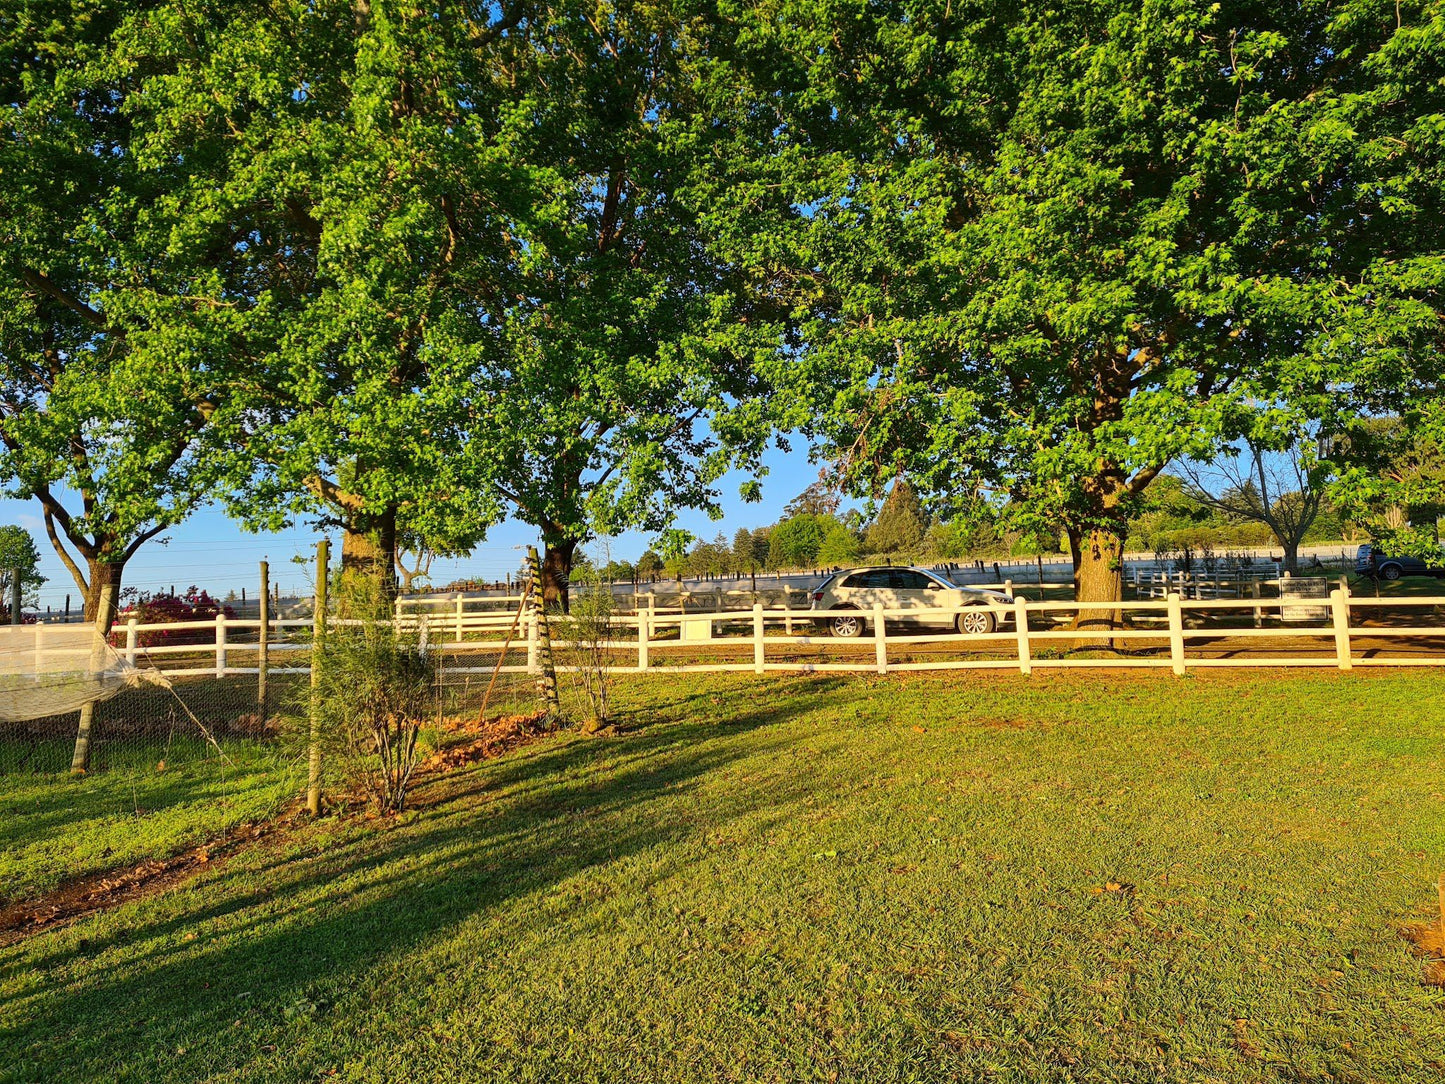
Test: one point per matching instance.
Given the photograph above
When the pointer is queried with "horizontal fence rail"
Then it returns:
(1028, 634)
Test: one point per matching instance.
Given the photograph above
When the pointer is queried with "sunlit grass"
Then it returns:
(1104, 878)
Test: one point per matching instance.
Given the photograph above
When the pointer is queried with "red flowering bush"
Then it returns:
(165, 609)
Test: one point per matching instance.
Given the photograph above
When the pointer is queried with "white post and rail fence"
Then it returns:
(1342, 631)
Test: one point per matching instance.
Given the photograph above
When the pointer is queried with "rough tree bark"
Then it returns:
(368, 548)
(557, 560)
(103, 574)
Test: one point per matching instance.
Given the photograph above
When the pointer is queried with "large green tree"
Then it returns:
(458, 265)
(359, 176)
(1039, 250)
(101, 402)
(632, 346)
(19, 563)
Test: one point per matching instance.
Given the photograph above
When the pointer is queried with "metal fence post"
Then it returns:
(1176, 632)
(758, 664)
(1340, 611)
(880, 638)
(1021, 628)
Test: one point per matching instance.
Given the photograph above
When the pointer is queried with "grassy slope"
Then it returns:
(789, 880)
(54, 827)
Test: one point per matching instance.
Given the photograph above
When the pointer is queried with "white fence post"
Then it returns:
(1008, 588)
(643, 638)
(221, 644)
(1021, 627)
(1176, 632)
(532, 662)
(130, 640)
(461, 613)
(1340, 610)
(880, 638)
(758, 664)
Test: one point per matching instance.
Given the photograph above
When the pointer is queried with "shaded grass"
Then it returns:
(980, 877)
(54, 827)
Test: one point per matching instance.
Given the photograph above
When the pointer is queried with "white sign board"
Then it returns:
(1293, 605)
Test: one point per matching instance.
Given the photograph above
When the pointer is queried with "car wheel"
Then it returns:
(1391, 572)
(976, 622)
(847, 626)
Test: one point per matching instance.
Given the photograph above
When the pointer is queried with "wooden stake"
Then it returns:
(318, 644)
(263, 656)
(502, 655)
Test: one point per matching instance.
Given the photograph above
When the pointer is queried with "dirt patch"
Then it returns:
(487, 740)
(1428, 941)
(102, 891)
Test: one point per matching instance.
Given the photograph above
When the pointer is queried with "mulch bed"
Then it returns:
(1428, 941)
(486, 740)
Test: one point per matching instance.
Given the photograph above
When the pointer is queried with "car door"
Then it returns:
(914, 592)
(862, 590)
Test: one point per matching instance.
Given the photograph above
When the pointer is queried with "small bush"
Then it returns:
(376, 690)
(587, 629)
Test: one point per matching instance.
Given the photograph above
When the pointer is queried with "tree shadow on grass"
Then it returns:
(329, 918)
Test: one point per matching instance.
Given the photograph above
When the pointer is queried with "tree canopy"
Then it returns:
(1040, 250)
(102, 399)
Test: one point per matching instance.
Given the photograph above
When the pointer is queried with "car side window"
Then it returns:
(905, 579)
(878, 577)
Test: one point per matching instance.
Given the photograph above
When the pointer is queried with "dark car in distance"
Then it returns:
(1373, 561)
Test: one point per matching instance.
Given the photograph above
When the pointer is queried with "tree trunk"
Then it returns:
(368, 550)
(557, 572)
(1076, 554)
(1099, 574)
(102, 573)
(1291, 556)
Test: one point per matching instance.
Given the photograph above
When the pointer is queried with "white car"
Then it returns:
(852, 593)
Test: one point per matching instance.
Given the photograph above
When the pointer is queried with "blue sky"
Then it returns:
(211, 551)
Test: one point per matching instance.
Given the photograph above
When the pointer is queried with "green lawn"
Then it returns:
(1092, 878)
(54, 827)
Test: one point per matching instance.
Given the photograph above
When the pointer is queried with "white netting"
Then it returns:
(53, 669)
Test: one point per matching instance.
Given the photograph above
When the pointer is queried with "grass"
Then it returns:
(1102, 877)
(54, 827)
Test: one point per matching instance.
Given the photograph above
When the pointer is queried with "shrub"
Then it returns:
(587, 630)
(166, 609)
(376, 689)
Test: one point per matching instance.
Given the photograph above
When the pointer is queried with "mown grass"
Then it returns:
(55, 827)
(1102, 878)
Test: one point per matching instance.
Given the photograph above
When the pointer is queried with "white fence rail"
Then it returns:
(1156, 633)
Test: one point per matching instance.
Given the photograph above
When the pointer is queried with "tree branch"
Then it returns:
(37, 280)
(64, 555)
